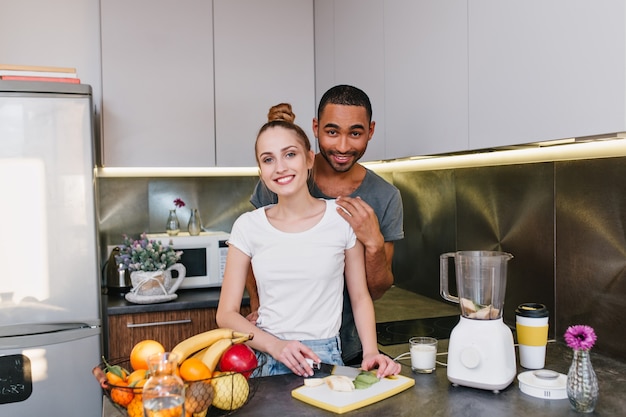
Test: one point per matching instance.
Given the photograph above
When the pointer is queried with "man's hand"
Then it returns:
(363, 220)
(253, 317)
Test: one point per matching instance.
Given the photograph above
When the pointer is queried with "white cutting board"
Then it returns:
(341, 402)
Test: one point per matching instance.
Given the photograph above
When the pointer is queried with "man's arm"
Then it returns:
(254, 297)
(378, 270)
(261, 196)
(378, 253)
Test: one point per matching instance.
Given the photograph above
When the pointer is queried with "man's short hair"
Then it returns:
(345, 95)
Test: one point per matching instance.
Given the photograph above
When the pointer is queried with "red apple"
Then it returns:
(239, 358)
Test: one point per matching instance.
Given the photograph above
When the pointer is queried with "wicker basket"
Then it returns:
(196, 391)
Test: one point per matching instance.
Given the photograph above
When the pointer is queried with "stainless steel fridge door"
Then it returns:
(50, 374)
(48, 246)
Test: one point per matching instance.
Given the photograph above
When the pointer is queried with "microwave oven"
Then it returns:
(204, 256)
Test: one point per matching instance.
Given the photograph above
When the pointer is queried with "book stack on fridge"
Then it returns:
(10, 72)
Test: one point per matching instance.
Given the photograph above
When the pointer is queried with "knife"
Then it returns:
(322, 368)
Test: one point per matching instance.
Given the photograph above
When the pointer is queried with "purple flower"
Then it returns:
(179, 203)
(580, 337)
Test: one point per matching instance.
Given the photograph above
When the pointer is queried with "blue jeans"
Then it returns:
(328, 350)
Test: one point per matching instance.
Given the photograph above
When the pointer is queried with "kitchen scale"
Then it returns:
(481, 351)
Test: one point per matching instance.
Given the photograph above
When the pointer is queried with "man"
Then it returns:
(372, 206)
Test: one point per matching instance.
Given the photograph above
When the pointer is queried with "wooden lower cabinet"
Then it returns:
(166, 327)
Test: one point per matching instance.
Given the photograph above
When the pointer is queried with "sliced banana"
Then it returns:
(339, 383)
(313, 382)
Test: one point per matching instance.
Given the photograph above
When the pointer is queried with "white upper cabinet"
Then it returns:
(410, 57)
(459, 75)
(541, 70)
(350, 49)
(157, 78)
(426, 107)
(264, 55)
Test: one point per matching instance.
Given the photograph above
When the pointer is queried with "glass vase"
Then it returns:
(194, 227)
(172, 227)
(582, 383)
(164, 392)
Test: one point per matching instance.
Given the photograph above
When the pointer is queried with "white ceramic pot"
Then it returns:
(157, 283)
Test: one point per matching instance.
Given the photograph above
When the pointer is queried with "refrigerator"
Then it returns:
(50, 320)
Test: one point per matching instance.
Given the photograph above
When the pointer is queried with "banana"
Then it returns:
(214, 353)
(339, 383)
(199, 354)
(200, 341)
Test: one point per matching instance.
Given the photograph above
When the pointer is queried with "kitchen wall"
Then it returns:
(564, 222)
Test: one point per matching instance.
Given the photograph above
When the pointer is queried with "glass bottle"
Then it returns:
(194, 223)
(582, 383)
(172, 226)
(164, 392)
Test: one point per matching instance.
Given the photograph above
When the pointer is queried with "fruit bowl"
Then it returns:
(221, 395)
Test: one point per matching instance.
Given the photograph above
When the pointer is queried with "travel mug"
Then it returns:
(532, 334)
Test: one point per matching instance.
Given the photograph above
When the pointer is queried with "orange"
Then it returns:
(142, 351)
(193, 369)
(122, 396)
(136, 376)
(135, 407)
(114, 379)
(138, 387)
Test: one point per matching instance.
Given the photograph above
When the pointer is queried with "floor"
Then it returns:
(398, 304)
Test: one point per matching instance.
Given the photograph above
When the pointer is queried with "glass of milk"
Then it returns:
(423, 354)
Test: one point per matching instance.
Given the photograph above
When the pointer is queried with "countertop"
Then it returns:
(433, 395)
(114, 304)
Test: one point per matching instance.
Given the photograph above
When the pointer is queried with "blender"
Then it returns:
(481, 352)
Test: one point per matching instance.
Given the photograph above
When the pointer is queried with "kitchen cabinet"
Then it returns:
(188, 84)
(410, 57)
(264, 55)
(545, 70)
(426, 81)
(458, 75)
(349, 49)
(157, 83)
(167, 327)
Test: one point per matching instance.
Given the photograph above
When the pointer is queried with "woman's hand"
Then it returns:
(294, 354)
(386, 366)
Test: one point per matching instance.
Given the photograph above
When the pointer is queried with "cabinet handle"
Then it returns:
(158, 323)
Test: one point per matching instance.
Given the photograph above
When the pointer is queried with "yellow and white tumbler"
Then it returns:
(532, 334)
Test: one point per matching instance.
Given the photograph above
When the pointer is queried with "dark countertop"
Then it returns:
(433, 395)
(114, 304)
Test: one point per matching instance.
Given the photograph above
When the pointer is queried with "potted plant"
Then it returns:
(150, 263)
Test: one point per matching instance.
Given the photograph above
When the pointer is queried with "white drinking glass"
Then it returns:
(423, 354)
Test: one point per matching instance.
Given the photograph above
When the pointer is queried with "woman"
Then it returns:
(300, 249)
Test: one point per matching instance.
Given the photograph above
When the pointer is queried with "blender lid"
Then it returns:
(543, 383)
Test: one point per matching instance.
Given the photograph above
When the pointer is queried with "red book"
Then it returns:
(46, 79)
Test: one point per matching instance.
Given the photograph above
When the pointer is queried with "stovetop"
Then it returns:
(399, 332)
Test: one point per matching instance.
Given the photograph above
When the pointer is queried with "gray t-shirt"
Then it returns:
(385, 200)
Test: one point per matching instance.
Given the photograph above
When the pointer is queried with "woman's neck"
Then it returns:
(296, 213)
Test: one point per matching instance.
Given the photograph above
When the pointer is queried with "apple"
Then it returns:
(239, 358)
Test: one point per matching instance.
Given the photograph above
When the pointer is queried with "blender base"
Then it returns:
(481, 354)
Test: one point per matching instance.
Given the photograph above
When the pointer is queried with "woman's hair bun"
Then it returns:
(281, 111)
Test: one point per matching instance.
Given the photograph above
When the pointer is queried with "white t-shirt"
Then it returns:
(299, 276)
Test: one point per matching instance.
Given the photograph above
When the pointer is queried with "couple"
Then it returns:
(301, 246)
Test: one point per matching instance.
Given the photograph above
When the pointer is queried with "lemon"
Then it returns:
(230, 390)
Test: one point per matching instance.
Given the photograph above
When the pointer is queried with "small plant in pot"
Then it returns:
(150, 263)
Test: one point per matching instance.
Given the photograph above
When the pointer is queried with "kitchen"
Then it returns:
(562, 220)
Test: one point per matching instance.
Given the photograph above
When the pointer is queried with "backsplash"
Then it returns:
(564, 223)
